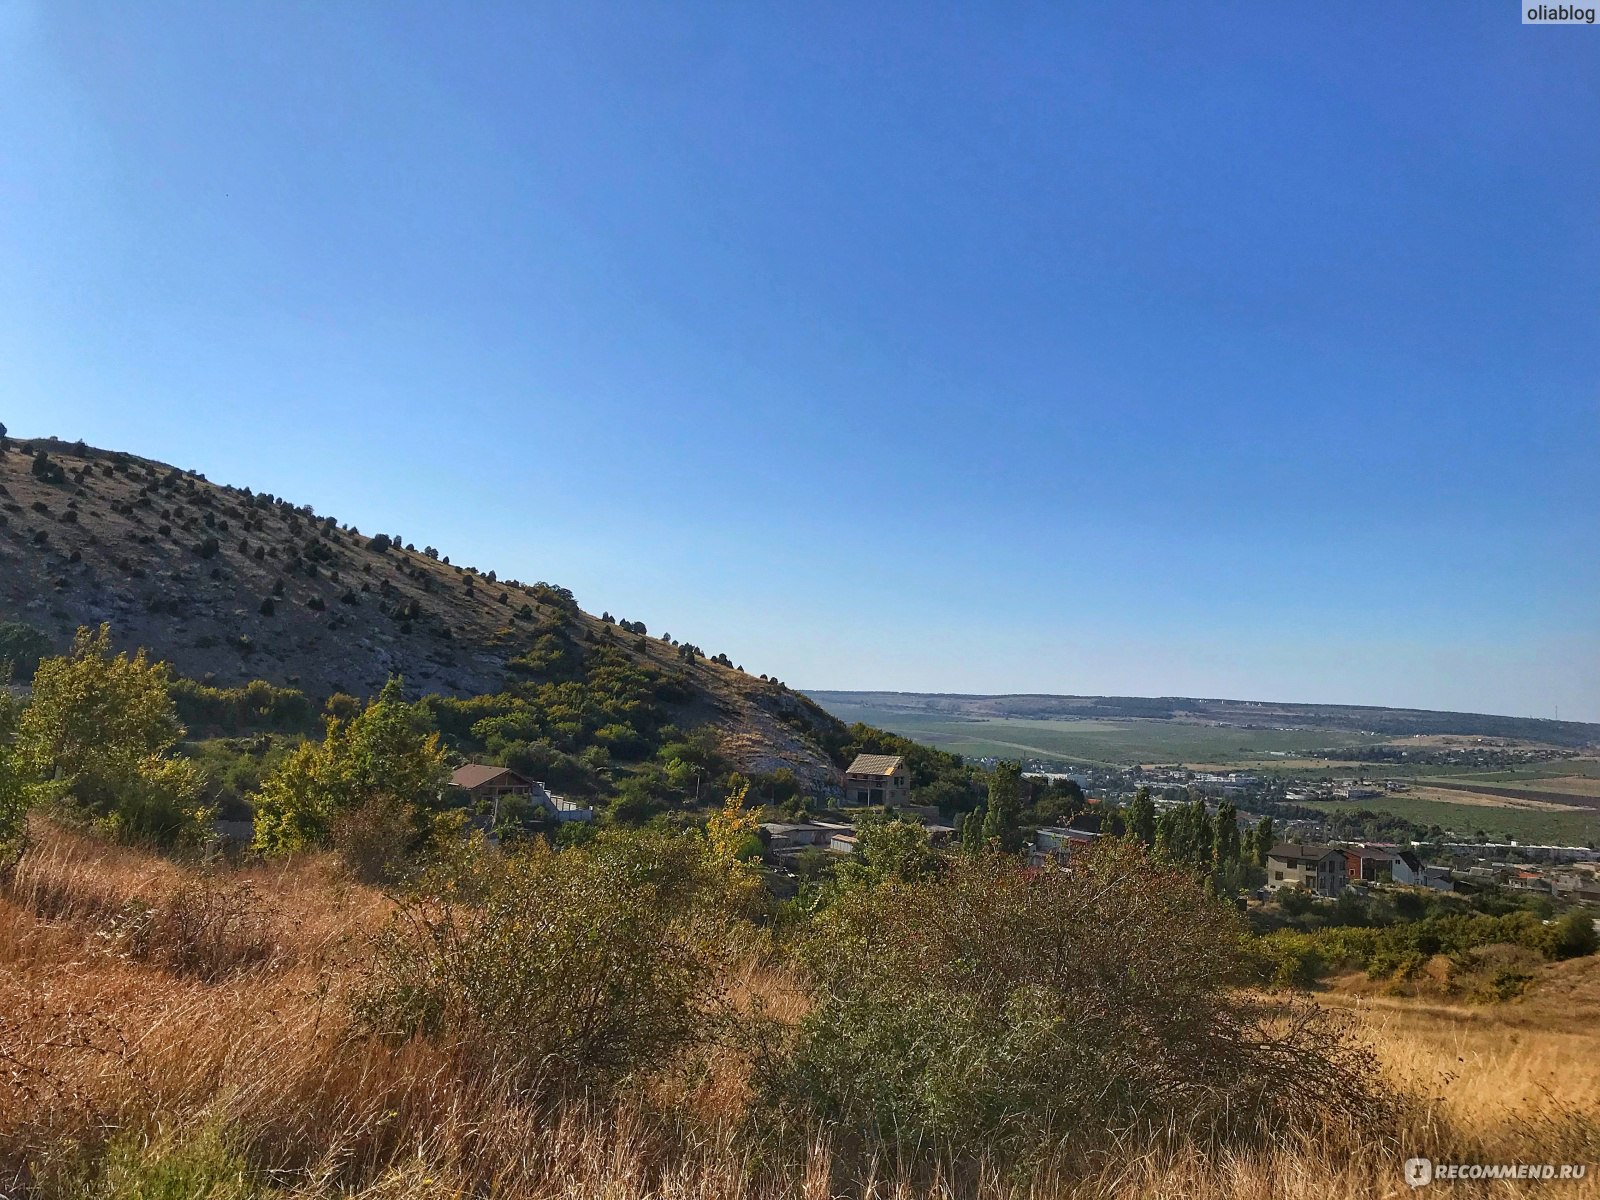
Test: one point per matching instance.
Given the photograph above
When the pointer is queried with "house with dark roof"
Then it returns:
(1319, 869)
(491, 785)
(1411, 871)
(877, 779)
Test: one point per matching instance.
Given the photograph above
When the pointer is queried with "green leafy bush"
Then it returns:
(99, 733)
(387, 753)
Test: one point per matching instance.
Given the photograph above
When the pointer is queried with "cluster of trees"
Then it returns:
(1357, 825)
(1206, 842)
(102, 740)
(258, 706)
(687, 771)
(1398, 951)
(373, 787)
(995, 820)
(572, 732)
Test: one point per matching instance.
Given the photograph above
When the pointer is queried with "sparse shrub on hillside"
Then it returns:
(558, 598)
(47, 469)
(208, 927)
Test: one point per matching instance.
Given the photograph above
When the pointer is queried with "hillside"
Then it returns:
(229, 585)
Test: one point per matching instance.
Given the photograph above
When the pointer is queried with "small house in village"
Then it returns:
(486, 783)
(1057, 844)
(1319, 869)
(877, 779)
(1368, 864)
(1408, 869)
(787, 836)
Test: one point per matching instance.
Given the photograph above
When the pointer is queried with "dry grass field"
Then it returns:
(170, 1033)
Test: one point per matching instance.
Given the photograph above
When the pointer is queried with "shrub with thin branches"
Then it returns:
(566, 970)
(994, 1008)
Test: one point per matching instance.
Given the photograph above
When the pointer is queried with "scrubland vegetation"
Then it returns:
(621, 1020)
(379, 1000)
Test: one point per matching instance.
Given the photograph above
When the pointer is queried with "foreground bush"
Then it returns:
(564, 970)
(996, 1009)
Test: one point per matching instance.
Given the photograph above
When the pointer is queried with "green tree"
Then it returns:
(1200, 833)
(1574, 936)
(21, 648)
(386, 759)
(730, 832)
(1142, 817)
(1263, 840)
(972, 832)
(1172, 834)
(1225, 835)
(1000, 819)
(888, 848)
(99, 733)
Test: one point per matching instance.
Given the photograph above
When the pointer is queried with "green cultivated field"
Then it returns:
(1100, 742)
(1534, 826)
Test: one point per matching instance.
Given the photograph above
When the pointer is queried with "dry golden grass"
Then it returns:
(97, 1045)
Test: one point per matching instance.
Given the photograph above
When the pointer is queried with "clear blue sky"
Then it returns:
(1222, 350)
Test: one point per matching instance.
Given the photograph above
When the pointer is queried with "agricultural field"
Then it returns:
(1115, 743)
(1578, 780)
(1545, 825)
(1544, 802)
